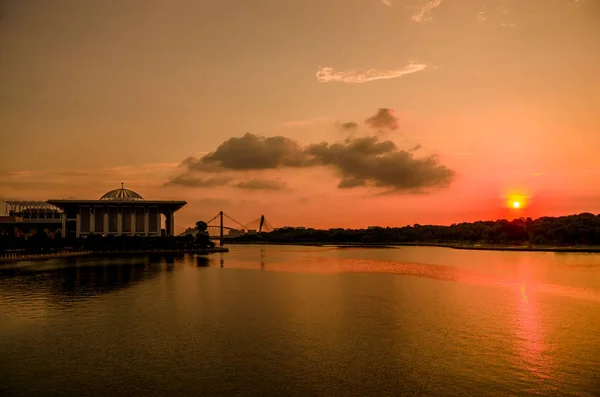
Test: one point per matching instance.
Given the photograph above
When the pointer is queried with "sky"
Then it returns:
(316, 113)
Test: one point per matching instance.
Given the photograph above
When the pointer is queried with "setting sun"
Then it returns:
(516, 201)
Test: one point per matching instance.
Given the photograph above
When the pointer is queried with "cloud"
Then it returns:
(359, 162)
(250, 152)
(463, 154)
(349, 183)
(389, 2)
(370, 162)
(425, 9)
(94, 180)
(384, 118)
(260, 184)
(188, 162)
(194, 164)
(347, 127)
(210, 201)
(304, 123)
(56, 183)
(329, 74)
(499, 14)
(191, 180)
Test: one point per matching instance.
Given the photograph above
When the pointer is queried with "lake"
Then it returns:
(303, 321)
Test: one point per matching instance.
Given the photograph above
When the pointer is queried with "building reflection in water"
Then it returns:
(82, 278)
(207, 261)
(202, 261)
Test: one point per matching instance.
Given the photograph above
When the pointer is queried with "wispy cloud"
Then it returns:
(461, 154)
(387, 2)
(261, 184)
(38, 184)
(304, 123)
(329, 74)
(481, 15)
(576, 3)
(499, 14)
(136, 174)
(425, 9)
(191, 181)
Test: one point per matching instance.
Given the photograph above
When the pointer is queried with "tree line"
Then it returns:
(581, 229)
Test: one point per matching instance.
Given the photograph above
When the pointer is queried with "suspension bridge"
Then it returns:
(222, 227)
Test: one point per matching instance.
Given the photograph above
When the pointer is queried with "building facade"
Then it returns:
(25, 217)
(118, 212)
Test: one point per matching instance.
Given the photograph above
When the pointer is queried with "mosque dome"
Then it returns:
(122, 194)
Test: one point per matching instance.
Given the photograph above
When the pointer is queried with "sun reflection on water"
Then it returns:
(533, 352)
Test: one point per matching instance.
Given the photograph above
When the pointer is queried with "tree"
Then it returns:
(201, 227)
(202, 237)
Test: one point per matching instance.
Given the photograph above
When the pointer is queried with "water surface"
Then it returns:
(284, 320)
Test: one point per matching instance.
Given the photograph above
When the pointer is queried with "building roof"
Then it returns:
(122, 194)
(20, 205)
(119, 197)
(170, 204)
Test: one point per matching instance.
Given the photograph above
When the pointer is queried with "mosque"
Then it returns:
(118, 212)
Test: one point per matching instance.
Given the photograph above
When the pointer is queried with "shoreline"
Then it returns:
(33, 257)
(567, 249)
(515, 248)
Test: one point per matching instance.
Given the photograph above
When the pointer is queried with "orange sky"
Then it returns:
(504, 95)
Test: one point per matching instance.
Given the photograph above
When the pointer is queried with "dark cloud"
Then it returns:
(359, 162)
(348, 183)
(191, 180)
(383, 119)
(194, 164)
(349, 126)
(251, 152)
(210, 201)
(190, 161)
(370, 162)
(260, 184)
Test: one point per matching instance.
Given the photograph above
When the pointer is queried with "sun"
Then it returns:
(516, 201)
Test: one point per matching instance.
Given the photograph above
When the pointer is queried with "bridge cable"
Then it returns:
(238, 223)
(230, 218)
(251, 222)
(215, 217)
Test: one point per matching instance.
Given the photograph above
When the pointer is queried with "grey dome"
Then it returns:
(122, 194)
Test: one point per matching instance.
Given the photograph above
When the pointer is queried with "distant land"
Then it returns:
(566, 233)
(573, 233)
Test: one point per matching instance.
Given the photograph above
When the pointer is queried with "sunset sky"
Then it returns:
(320, 113)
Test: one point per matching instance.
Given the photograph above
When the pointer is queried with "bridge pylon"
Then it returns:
(221, 228)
